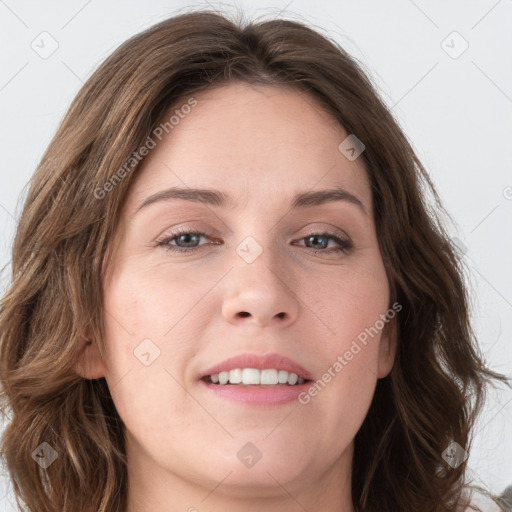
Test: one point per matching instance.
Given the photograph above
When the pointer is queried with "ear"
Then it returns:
(90, 364)
(387, 349)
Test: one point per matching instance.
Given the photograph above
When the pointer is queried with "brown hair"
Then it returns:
(437, 384)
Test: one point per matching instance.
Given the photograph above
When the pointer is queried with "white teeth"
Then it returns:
(235, 376)
(292, 379)
(282, 377)
(252, 376)
(268, 376)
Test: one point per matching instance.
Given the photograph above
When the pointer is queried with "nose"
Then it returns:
(260, 293)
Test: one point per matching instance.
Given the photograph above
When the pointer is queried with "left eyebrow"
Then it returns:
(214, 197)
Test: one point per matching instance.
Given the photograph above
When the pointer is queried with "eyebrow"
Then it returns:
(214, 197)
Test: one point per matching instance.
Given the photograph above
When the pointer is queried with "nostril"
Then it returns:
(244, 314)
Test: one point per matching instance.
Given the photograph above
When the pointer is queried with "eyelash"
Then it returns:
(346, 246)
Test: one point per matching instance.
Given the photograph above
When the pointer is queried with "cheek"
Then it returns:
(152, 330)
(347, 302)
(134, 326)
(146, 303)
(147, 350)
(349, 306)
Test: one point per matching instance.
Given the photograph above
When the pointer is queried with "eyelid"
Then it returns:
(343, 242)
(174, 232)
(314, 230)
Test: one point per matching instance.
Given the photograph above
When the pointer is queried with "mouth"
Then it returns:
(254, 377)
(257, 370)
(257, 380)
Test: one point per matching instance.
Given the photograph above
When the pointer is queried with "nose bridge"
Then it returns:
(260, 287)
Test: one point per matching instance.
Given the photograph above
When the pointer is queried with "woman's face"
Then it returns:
(260, 279)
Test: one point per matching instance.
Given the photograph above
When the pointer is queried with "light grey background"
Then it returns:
(456, 110)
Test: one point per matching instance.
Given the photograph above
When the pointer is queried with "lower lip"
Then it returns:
(257, 395)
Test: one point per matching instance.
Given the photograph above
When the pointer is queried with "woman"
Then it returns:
(229, 291)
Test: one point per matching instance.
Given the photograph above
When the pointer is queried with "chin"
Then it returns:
(258, 481)
(260, 465)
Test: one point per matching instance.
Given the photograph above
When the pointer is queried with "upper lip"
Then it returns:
(260, 362)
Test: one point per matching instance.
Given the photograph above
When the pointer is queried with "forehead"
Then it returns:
(258, 144)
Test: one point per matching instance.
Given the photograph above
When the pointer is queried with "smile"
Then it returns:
(253, 376)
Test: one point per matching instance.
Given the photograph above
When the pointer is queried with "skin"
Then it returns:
(260, 145)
